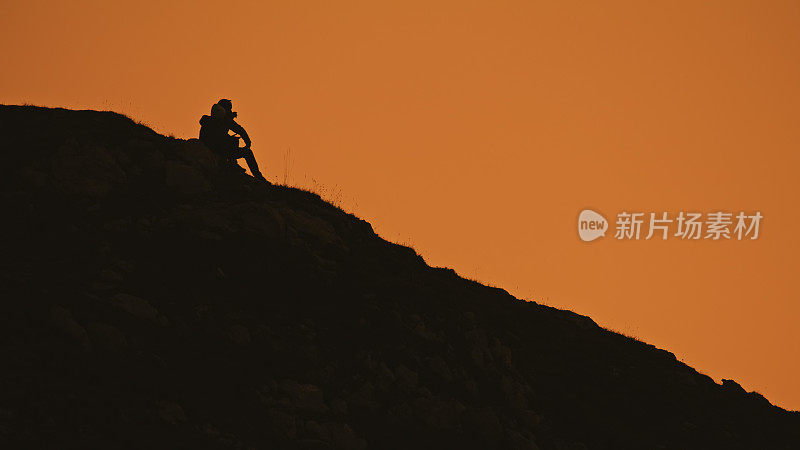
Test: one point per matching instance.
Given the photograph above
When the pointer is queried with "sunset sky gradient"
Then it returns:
(477, 131)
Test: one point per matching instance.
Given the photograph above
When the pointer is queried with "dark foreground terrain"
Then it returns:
(152, 299)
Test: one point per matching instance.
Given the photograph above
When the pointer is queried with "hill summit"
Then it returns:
(153, 298)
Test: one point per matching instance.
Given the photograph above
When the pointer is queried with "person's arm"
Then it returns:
(238, 129)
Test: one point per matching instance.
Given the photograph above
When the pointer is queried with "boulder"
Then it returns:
(184, 179)
(87, 171)
(195, 153)
(304, 398)
(483, 424)
(107, 336)
(139, 308)
(62, 319)
(437, 414)
(170, 412)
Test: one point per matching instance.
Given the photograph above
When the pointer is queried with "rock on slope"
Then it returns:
(153, 299)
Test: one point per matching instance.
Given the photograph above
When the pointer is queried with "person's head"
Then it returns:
(228, 105)
(218, 112)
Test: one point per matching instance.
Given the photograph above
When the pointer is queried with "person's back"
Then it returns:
(214, 130)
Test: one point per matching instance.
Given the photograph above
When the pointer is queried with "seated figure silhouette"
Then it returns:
(214, 134)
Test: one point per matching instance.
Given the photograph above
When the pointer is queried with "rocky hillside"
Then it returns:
(153, 299)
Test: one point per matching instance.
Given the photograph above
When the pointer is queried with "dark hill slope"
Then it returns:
(153, 299)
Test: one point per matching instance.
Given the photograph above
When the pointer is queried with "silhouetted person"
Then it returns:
(214, 133)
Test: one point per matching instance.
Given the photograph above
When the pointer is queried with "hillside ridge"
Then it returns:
(152, 296)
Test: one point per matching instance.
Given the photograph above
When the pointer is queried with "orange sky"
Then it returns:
(476, 132)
